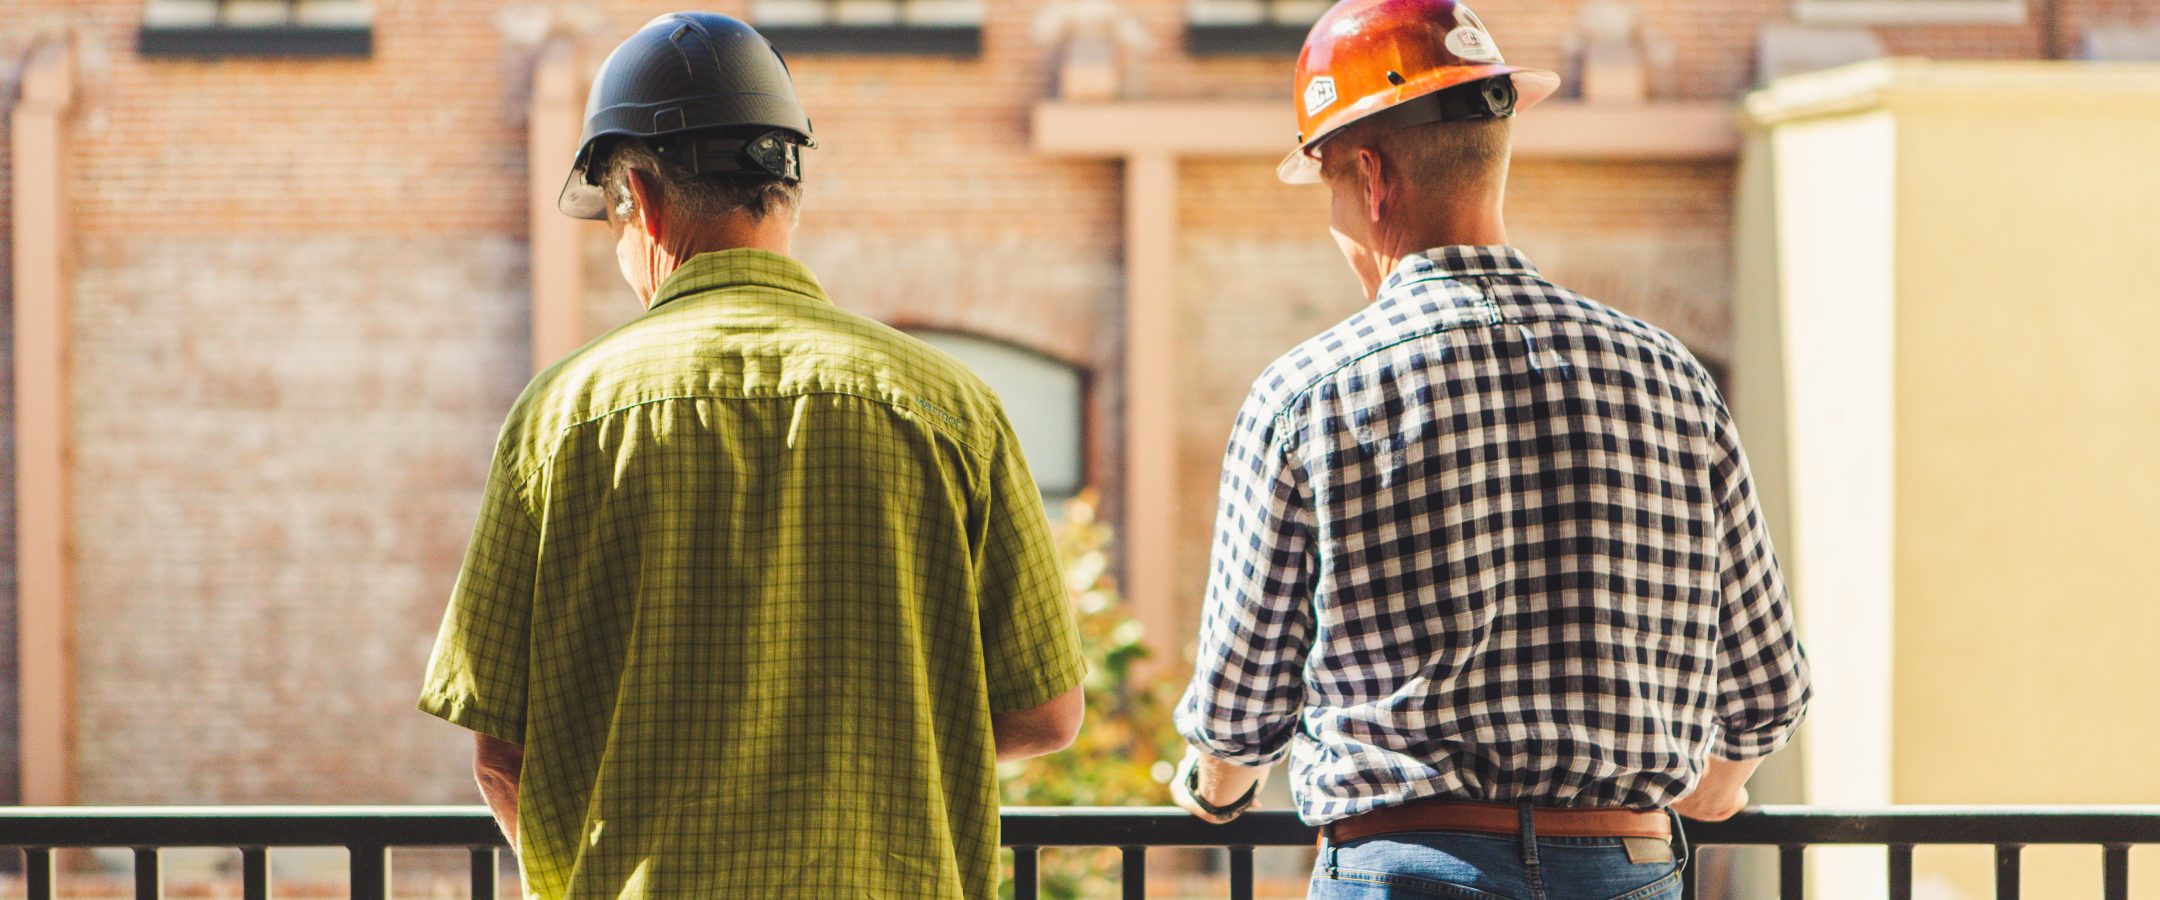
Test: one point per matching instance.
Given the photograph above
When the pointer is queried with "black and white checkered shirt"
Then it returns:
(1490, 540)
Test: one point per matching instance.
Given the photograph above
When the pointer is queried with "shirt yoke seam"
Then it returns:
(1286, 407)
(945, 423)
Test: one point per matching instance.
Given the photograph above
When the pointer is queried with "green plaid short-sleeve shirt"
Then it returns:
(750, 576)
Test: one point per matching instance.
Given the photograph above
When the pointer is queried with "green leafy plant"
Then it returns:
(1127, 747)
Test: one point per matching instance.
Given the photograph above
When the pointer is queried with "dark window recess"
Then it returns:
(214, 29)
(872, 27)
(1243, 40)
(1249, 27)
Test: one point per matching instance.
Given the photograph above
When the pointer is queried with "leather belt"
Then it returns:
(1499, 818)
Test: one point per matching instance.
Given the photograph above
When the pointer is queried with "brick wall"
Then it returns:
(301, 313)
(276, 477)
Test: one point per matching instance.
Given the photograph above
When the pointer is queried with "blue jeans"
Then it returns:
(1493, 867)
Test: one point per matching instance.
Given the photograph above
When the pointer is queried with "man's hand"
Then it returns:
(1221, 784)
(1721, 792)
(1704, 806)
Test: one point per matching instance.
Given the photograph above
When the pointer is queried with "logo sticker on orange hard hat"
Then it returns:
(1319, 95)
(1473, 44)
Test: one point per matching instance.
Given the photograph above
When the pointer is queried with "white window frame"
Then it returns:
(1910, 12)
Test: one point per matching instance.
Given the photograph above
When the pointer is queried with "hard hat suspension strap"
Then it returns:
(772, 154)
(1492, 98)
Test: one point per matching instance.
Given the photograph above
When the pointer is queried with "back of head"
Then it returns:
(690, 195)
(1435, 158)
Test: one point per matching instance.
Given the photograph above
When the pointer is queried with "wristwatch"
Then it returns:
(1192, 789)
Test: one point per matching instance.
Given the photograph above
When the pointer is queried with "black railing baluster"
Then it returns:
(1688, 876)
(1792, 872)
(38, 872)
(2115, 872)
(1900, 872)
(370, 871)
(1134, 878)
(2007, 877)
(1241, 874)
(485, 869)
(1025, 882)
(149, 877)
(255, 873)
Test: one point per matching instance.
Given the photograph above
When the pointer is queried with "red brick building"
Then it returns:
(299, 278)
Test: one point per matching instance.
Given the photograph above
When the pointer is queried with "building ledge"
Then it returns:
(2016, 85)
(1554, 130)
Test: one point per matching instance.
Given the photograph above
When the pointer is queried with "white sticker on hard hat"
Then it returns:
(1472, 43)
(1319, 94)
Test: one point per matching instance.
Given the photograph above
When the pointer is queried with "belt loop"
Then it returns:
(1680, 840)
(1527, 815)
(1526, 829)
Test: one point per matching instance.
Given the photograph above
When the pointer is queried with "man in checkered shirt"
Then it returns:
(1489, 566)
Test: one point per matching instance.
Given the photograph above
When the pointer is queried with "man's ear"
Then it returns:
(645, 192)
(1374, 181)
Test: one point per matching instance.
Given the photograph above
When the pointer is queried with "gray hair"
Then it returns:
(696, 197)
(1444, 156)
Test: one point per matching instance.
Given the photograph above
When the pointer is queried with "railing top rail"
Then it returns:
(248, 826)
(471, 826)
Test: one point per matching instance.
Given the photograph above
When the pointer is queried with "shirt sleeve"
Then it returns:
(1248, 676)
(1031, 642)
(1763, 679)
(477, 675)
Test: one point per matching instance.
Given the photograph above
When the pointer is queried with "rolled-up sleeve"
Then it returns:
(1247, 687)
(1763, 680)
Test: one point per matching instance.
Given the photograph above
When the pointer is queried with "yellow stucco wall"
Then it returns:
(2021, 398)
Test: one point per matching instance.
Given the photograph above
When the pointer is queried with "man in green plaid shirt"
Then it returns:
(761, 590)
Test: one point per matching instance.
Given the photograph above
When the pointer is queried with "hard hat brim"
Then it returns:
(580, 200)
(1301, 166)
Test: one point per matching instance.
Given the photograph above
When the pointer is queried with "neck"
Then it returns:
(683, 243)
(1442, 224)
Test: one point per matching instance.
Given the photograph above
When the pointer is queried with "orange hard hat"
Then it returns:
(1367, 56)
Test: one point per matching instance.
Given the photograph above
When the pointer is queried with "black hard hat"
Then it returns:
(710, 85)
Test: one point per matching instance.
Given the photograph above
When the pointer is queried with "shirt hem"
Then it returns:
(1040, 692)
(457, 711)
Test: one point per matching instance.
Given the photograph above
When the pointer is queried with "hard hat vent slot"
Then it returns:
(1395, 78)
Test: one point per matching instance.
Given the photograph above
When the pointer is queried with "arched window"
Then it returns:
(1042, 396)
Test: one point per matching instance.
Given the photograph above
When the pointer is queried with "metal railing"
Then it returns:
(368, 833)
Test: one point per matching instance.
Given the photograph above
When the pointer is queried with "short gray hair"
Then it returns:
(701, 197)
(1440, 155)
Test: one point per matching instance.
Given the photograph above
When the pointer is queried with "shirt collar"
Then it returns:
(741, 267)
(1459, 261)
